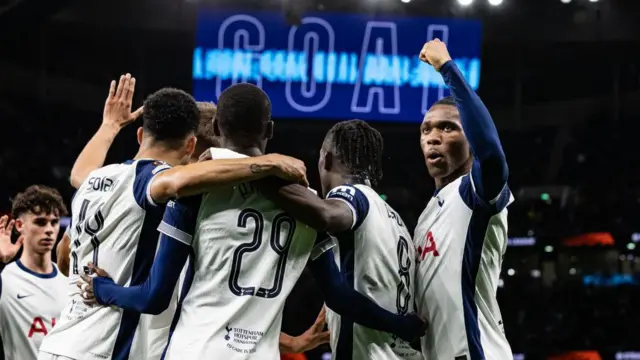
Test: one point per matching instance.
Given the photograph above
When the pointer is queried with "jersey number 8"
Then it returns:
(275, 242)
(404, 265)
(85, 226)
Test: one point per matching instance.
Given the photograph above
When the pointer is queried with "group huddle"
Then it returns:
(190, 250)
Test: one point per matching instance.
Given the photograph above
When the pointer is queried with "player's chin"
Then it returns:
(45, 246)
(437, 170)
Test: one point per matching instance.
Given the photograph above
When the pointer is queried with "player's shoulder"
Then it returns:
(150, 166)
(355, 197)
(59, 275)
(467, 191)
(10, 270)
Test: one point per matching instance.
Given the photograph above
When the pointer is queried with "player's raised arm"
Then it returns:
(330, 215)
(490, 170)
(346, 301)
(201, 177)
(117, 114)
(154, 294)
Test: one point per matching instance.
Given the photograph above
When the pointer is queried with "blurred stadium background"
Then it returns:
(561, 78)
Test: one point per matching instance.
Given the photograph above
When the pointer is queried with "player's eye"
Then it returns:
(448, 128)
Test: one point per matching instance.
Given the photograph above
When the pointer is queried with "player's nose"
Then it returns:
(434, 139)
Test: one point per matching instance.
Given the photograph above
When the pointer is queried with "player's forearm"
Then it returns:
(93, 155)
(476, 121)
(287, 344)
(479, 129)
(346, 301)
(201, 177)
(322, 215)
(154, 295)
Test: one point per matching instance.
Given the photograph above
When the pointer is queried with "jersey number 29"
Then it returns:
(275, 242)
(91, 228)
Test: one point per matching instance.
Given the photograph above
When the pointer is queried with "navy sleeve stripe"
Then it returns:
(146, 170)
(175, 233)
(355, 199)
(353, 210)
(474, 201)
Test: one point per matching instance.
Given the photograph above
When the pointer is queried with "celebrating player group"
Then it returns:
(190, 249)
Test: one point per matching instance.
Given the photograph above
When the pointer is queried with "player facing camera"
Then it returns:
(443, 142)
(37, 213)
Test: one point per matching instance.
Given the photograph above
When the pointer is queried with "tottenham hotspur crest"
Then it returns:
(228, 336)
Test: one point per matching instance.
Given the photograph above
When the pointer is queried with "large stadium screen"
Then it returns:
(332, 66)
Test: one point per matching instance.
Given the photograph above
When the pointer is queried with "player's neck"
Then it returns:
(170, 157)
(38, 263)
(446, 180)
(251, 150)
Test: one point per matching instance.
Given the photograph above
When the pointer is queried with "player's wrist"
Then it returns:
(266, 166)
(109, 129)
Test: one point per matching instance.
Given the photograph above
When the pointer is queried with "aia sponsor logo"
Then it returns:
(38, 327)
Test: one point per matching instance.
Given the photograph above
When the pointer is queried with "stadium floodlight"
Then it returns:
(406, 1)
(565, 1)
(593, 0)
(465, 2)
(495, 2)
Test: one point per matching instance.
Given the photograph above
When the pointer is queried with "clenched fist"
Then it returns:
(435, 53)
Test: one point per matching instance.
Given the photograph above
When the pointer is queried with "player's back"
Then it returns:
(248, 255)
(460, 241)
(114, 223)
(30, 305)
(378, 259)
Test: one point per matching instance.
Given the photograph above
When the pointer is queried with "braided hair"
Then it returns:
(359, 147)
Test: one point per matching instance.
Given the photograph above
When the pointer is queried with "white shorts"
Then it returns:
(46, 356)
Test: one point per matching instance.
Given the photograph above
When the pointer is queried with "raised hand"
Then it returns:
(435, 53)
(117, 108)
(8, 250)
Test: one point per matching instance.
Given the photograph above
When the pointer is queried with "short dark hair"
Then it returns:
(38, 199)
(447, 100)
(205, 134)
(359, 146)
(170, 115)
(243, 111)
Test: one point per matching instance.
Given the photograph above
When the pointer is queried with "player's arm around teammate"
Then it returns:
(489, 170)
(335, 216)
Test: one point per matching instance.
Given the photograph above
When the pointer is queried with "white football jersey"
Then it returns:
(377, 258)
(247, 256)
(113, 225)
(460, 241)
(30, 306)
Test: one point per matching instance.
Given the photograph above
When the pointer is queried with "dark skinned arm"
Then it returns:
(331, 216)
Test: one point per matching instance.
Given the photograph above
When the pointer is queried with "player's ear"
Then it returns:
(216, 128)
(191, 144)
(268, 134)
(328, 160)
(139, 135)
(19, 224)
